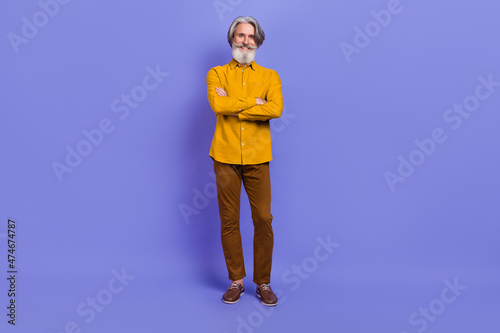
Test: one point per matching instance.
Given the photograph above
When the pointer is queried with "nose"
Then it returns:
(246, 40)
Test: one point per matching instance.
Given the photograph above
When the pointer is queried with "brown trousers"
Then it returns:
(257, 182)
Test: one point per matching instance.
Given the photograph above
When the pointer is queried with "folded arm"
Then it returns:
(221, 92)
(225, 105)
(270, 109)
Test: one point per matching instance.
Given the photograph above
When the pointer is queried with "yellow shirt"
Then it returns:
(244, 138)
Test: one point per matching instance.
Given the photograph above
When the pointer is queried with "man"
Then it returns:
(244, 96)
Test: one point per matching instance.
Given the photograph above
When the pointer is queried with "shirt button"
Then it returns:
(243, 128)
(243, 82)
(242, 144)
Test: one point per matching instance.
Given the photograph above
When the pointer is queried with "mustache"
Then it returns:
(250, 47)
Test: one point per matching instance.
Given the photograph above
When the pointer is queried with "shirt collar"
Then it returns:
(233, 64)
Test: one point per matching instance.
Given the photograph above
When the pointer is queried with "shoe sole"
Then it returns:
(229, 302)
(266, 304)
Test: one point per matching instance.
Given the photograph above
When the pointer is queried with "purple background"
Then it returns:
(346, 123)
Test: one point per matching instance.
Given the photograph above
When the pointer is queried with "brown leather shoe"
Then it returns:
(266, 295)
(233, 293)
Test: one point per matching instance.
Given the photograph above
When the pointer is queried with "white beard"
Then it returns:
(243, 57)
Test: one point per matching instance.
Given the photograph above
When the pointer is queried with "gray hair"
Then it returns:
(259, 33)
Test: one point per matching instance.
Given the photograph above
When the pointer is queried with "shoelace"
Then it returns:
(265, 287)
(234, 285)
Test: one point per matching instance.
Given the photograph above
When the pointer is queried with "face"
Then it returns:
(244, 45)
(244, 34)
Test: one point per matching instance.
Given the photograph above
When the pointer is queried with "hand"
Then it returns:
(260, 101)
(221, 92)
